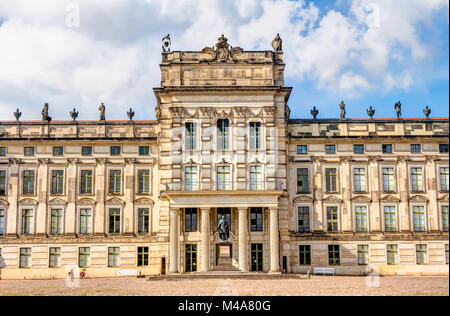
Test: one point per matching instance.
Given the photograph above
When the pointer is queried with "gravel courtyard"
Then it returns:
(403, 286)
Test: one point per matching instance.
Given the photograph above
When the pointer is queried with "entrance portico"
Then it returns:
(240, 204)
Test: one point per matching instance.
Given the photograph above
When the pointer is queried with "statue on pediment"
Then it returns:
(45, 116)
(398, 109)
(166, 43)
(343, 111)
(223, 52)
(102, 110)
(277, 44)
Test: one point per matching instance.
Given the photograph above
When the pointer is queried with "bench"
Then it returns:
(324, 271)
(127, 273)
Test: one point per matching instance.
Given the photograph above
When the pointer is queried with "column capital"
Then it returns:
(205, 209)
(242, 209)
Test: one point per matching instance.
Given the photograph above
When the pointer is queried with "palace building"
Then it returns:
(110, 197)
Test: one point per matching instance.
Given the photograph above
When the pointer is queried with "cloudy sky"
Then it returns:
(80, 53)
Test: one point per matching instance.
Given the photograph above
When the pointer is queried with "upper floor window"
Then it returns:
(27, 222)
(191, 136)
(390, 219)
(443, 148)
(86, 182)
(86, 151)
(256, 219)
(444, 179)
(114, 221)
(29, 151)
(417, 179)
(2, 222)
(421, 254)
(363, 255)
(144, 150)
(419, 218)
(223, 178)
(28, 182)
(302, 180)
(445, 218)
(359, 149)
(3, 182)
(387, 149)
(191, 178)
(360, 179)
(115, 150)
(416, 148)
(144, 181)
(303, 219)
(255, 135)
(256, 178)
(115, 182)
(334, 255)
(330, 149)
(57, 181)
(332, 219)
(223, 134)
(331, 180)
(2, 151)
(191, 215)
(58, 151)
(56, 222)
(361, 219)
(388, 180)
(302, 149)
(143, 221)
(85, 221)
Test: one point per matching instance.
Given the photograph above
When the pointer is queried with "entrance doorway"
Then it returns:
(191, 258)
(257, 257)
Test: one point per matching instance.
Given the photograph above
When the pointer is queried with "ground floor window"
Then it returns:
(392, 254)
(191, 258)
(421, 254)
(113, 257)
(363, 255)
(142, 257)
(257, 257)
(25, 258)
(84, 257)
(334, 256)
(446, 254)
(305, 255)
(55, 257)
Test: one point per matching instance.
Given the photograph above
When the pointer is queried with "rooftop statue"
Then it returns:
(166, 42)
(277, 44)
(102, 109)
(398, 109)
(343, 111)
(45, 117)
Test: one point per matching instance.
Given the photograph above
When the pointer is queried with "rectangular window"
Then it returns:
(445, 218)
(443, 148)
(85, 221)
(417, 179)
(388, 180)
(191, 258)
(86, 150)
(421, 254)
(331, 180)
(115, 182)
(419, 218)
(361, 219)
(2, 151)
(334, 255)
(303, 219)
(144, 181)
(86, 182)
(256, 178)
(114, 221)
(57, 182)
(444, 179)
(84, 257)
(3, 182)
(302, 149)
(332, 219)
(392, 254)
(305, 255)
(27, 222)
(255, 135)
(387, 149)
(330, 149)
(191, 136)
(58, 151)
(191, 178)
(256, 219)
(302, 180)
(363, 255)
(56, 222)
(25, 258)
(144, 150)
(223, 178)
(416, 149)
(115, 150)
(54, 257)
(29, 151)
(360, 180)
(223, 134)
(390, 219)
(191, 215)
(144, 221)
(446, 254)
(359, 149)
(113, 257)
(2, 222)
(28, 182)
(142, 257)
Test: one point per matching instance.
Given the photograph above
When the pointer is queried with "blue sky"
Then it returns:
(365, 52)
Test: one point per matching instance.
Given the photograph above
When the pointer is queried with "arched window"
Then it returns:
(223, 134)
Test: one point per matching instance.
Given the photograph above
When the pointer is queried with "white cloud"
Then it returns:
(113, 57)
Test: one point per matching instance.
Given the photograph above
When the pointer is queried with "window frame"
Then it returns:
(415, 176)
(30, 225)
(144, 151)
(221, 177)
(147, 180)
(115, 151)
(258, 227)
(3, 221)
(302, 149)
(385, 147)
(360, 186)
(60, 184)
(302, 175)
(86, 256)
(60, 217)
(416, 148)
(146, 220)
(394, 178)
(192, 220)
(357, 149)
(190, 136)
(193, 184)
(114, 254)
(329, 177)
(444, 178)
(117, 225)
(304, 229)
(145, 262)
(92, 186)
(58, 151)
(4, 179)
(120, 184)
(443, 148)
(393, 250)
(333, 152)
(364, 254)
(33, 186)
(338, 221)
(333, 260)
(56, 257)
(424, 213)
(422, 250)
(255, 136)
(29, 151)
(358, 228)
(306, 255)
(90, 150)
(27, 255)
(259, 184)
(89, 220)
(223, 134)
(395, 216)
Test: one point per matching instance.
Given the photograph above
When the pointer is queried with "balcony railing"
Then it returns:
(224, 186)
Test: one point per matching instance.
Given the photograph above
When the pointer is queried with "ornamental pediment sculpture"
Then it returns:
(28, 202)
(144, 201)
(115, 201)
(270, 111)
(333, 199)
(361, 199)
(240, 112)
(86, 201)
(176, 111)
(419, 198)
(223, 52)
(3, 202)
(303, 199)
(390, 199)
(206, 111)
(191, 113)
(57, 201)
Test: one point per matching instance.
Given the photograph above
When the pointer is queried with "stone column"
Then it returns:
(243, 230)
(274, 242)
(205, 239)
(173, 242)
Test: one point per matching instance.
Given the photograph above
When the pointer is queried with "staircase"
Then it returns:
(225, 265)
